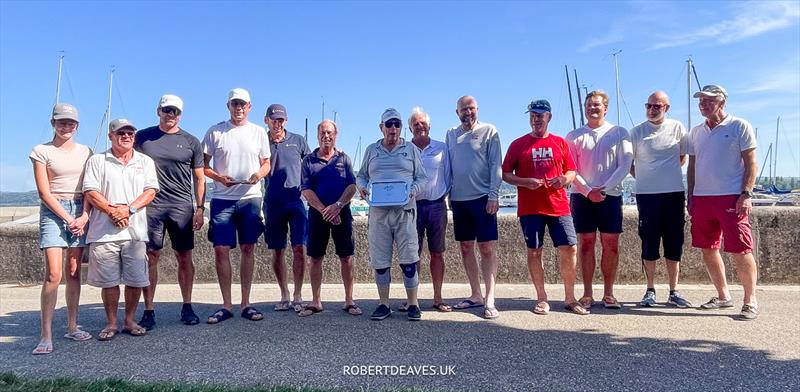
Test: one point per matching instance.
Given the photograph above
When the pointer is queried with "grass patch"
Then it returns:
(11, 382)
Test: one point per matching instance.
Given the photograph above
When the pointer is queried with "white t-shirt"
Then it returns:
(718, 164)
(603, 157)
(119, 184)
(236, 152)
(657, 150)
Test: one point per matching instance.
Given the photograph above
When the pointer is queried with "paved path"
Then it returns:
(660, 348)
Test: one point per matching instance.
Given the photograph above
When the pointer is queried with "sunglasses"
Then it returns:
(124, 133)
(171, 110)
(656, 106)
(393, 124)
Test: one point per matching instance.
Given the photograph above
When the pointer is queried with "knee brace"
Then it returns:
(383, 277)
(410, 275)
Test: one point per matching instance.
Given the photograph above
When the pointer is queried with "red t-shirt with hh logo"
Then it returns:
(542, 158)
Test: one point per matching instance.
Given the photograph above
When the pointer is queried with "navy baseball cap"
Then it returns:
(539, 106)
(276, 111)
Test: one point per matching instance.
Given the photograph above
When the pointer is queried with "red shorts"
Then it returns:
(714, 217)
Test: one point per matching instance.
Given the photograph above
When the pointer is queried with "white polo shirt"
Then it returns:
(120, 184)
(436, 162)
(718, 164)
(657, 150)
(236, 152)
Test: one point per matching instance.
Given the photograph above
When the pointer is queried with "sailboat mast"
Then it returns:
(569, 91)
(775, 154)
(689, 93)
(580, 100)
(58, 81)
(616, 77)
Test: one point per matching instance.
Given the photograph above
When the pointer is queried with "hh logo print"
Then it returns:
(542, 153)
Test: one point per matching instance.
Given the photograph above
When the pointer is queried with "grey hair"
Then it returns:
(418, 111)
(335, 127)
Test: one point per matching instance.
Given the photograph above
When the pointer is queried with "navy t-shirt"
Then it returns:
(175, 155)
(328, 179)
(283, 183)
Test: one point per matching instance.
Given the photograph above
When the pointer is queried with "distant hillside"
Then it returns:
(30, 198)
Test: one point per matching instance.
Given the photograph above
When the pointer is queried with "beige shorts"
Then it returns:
(118, 262)
(389, 227)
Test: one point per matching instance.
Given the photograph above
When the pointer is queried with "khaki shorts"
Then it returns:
(118, 262)
(392, 226)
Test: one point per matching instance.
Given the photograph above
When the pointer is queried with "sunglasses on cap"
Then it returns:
(393, 124)
(171, 110)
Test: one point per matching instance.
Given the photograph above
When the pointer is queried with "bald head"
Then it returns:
(467, 112)
(657, 107)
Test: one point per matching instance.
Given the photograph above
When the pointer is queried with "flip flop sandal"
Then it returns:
(43, 348)
(577, 309)
(298, 306)
(309, 310)
(491, 313)
(586, 302)
(443, 307)
(107, 334)
(139, 331)
(78, 335)
(219, 316)
(610, 302)
(353, 310)
(541, 308)
(282, 306)
(252, 314)
(466, 304)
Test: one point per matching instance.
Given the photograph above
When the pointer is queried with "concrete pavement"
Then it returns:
(636, 349)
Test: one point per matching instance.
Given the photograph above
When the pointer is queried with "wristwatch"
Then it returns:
(339, 204)
(132, 210)
(748, 194)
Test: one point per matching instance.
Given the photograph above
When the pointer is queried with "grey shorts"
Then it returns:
(118, 262)
(390, 226)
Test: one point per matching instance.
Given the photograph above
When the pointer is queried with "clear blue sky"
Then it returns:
(363, 57)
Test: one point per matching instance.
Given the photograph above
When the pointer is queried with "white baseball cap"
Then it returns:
(240, 94)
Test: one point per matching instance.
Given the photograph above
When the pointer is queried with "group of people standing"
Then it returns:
(151, 183)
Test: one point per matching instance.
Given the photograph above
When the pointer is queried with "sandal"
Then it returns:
(353, 310)
(78, 335)
(609, 302)
(491, 313)
(309, 310)
(138, 331)
(298, 306)
(107, 334)
(282, 306)
(586, 302)
(576, 308)
(219, 316)
(466, 304)
(252, 314)
(43, 348)
(541, 308)
(443, 307)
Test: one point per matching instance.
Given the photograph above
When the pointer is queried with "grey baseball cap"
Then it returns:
(389, 114)
(712, 90)
(120, 123)
(65, 111)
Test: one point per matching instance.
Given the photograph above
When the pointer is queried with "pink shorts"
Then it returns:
(713, 218)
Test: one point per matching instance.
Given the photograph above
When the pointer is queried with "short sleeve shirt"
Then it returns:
(64, 168)
(327, 179)
(542, 158)
(657, 150)
(175, 156)
(718, 164)
(236, 152)
(286, 157)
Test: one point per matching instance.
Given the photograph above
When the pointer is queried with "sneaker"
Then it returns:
(187, 315)
(677, 299)
(414, 313)
(381, 313)
(148, 320)
(716, 303)
(749, 312)
(649, 299)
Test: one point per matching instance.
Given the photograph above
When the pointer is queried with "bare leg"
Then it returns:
(73, 268)
(673, 269)
(132, 295)
(489, 269)
(567, 255)
(315, 275)
(609, 261)
(437, 275)
(248, 263)
(222, 256)
(280, 273)
(471, 269)
(347, 279)
(536, 269)
(152, 268)
(49, 295)
(185, 274)
(298, 271)
(747, 271)
(650, 272)
(586, 243)
(716, 271)
(110, 297)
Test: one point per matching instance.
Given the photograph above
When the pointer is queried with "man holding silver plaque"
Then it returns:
(391, 175)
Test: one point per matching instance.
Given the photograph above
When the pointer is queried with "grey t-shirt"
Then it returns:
(175, 155)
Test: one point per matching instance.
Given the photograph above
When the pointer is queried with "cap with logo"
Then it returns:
(276, 111)
(389, 114)
(65, 111)
(240, 94)
(168, 100)
(712, 90)
(539, 106)
(120, 123)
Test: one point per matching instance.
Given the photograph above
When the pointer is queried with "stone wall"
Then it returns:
(776, 233)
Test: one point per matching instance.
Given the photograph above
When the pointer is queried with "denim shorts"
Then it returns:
(53, 231)
(235, 218)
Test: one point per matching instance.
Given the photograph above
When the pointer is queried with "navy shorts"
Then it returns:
(588, 216)
(232, 218)
(661, 218)
(285, 218)
(176, 221)
(432, 219)
(471, 221)
(562, 232)
(319, 231)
